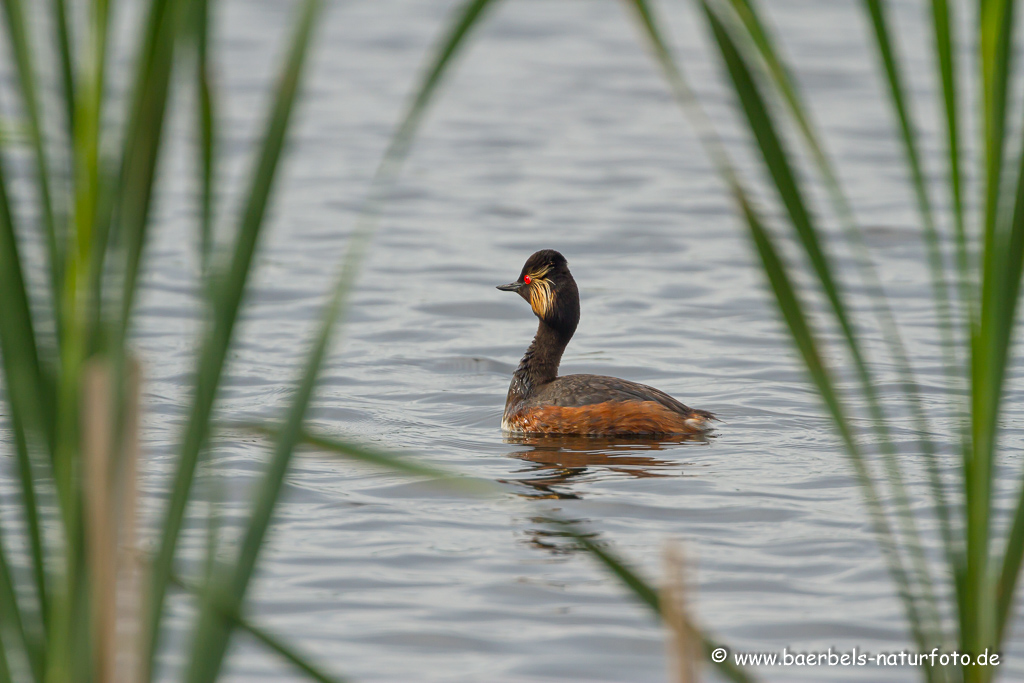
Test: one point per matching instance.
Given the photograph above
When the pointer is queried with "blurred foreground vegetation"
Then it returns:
(86, 606)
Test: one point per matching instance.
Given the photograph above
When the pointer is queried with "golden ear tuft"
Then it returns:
(541, 297)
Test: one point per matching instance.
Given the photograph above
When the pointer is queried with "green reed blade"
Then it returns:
(1006, 283)
(25, 382)
(269, 640)
(946, 63)
(12, 621)
(11, 132)
(5, 669)
(1013, 558)
(144, 132)
(799, 327)
(936, 261)
(996, 53)
(205, 118)
(760, 37)
(212, 634)
(991, 339)
(62, 38)
(761, 123)
(87, 178)
(1001, 275)
(65, 632)
(776, 160)
(379, 457)
(464, 19)
(786, 86)
(643, 590)
(30, 509)
(19, 36)
(228, 295)
(385, 460)
(467, 16)
(286, 652)
(75, 304)
(786, 299)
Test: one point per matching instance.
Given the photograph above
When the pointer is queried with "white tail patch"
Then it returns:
(698, 423)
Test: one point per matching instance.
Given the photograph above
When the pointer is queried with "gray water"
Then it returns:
(554, 131)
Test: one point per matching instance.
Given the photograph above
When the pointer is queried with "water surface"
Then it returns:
(556, 131)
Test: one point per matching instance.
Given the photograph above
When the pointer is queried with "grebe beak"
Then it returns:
(511, 287)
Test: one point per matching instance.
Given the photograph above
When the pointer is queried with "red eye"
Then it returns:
(526, 279)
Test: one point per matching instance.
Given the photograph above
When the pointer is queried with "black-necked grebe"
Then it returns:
(541, 402)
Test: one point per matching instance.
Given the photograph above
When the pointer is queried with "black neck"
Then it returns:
(540, 363)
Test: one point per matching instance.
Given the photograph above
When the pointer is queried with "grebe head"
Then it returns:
(547, 284)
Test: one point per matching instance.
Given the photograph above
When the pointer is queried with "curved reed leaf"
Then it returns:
(908, 136)
(1009, 570)
(86, 148)
(31, 418)
(212, 634)
(775, 156)
(788, 304)
(946, 63)
(19, 35)
(757, 34)
(962, 569)
(1010, 245)
(75, 309)
(144, 132)
(385, 460)
(206, 118)
(996, 53)
(12, 622)
(287, 653)
(800, 330)
(643, 591)
(228, 294)
(381, 458)
(5, 669)
(984, 606)
(990, 343)
(466, 17)
(783, 177)
(62, 38)
(30, 509)
(267, 639)
(26, 385)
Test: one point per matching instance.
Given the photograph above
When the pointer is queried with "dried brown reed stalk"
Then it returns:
(684, 649)
(111, 448)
